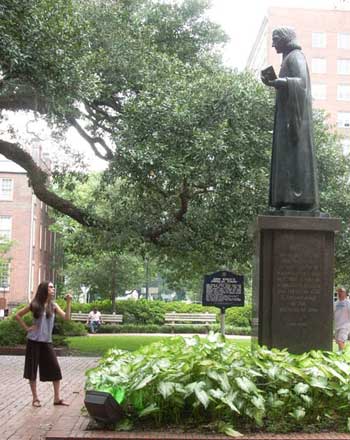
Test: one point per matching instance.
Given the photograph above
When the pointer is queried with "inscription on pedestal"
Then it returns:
(298, 279)
(297, 285)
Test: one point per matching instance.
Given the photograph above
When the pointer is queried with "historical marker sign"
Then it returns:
(223, 289)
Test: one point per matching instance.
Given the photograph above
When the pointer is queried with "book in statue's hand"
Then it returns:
(269, 73)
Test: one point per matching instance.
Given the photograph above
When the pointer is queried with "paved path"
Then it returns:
(19, 420)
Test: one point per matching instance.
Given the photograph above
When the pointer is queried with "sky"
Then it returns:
(241, 20)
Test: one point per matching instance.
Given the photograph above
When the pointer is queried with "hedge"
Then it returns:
(143, 312)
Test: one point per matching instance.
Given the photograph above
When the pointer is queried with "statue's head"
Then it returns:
(284, 37)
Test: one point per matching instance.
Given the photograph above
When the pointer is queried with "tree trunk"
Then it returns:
(114, 285)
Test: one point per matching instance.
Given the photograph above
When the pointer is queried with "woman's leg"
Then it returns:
(32, 384)
(56, 390)
(31, 367)
(56, 394)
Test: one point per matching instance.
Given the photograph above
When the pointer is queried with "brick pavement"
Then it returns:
(20, 421)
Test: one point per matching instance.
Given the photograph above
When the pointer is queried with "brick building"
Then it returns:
(324, 36)
(25, 222)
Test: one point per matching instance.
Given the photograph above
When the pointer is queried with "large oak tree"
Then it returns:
(186, 141)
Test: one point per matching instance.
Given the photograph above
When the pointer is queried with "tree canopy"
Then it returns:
(186, 140)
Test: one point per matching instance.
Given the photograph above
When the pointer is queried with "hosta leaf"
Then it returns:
(149, 410)
(258, 402)
(227, 429)
(332, 372)
(273, 371)
(301, 388)
(202, 396)
(217, 393)
(166, 389)
(307, 399)
(145, 381)
(221, 378)
(298, 413)
(343, 367)
(283, 391)
(228, 400)
(246, 385)
(319, 382)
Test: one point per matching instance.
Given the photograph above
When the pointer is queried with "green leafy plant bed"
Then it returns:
(213, 384)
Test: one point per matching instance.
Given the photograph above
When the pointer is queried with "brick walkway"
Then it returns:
(20, 421)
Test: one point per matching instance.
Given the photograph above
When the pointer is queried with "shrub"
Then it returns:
(11, 333)
(152, 312)
(207, 382)
(69, 328)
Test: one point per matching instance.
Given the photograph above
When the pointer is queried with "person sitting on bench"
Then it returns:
(94, 320)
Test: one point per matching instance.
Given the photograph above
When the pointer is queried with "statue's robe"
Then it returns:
(293, 178)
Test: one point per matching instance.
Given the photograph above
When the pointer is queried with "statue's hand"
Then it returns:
(265, 80)
(278, 83)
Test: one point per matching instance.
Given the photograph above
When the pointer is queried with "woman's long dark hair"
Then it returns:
(37, 305)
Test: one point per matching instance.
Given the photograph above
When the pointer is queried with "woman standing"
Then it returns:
(40, 350)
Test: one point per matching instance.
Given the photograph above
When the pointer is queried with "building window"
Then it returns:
(344, 41)
(6, 189)
(41, 237)
(343, 67)
(343, 120)
(319, 65)
(33, 232)
(4, 275)
(319, 39)
(319, 91)
(32, 278)
(5, 227)
(343, 92)
(44, 238)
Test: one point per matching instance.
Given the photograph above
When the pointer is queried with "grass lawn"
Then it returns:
(98, 345)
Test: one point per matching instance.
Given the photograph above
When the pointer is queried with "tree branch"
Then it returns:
(154, 234)
(39, 179)
(92, 141)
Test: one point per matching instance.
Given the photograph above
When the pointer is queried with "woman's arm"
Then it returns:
(20, 320)
(65, 315)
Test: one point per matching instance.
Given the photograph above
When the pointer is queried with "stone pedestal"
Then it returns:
(293, 282)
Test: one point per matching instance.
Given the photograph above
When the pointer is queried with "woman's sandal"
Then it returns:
(36, 403)
(61, 402)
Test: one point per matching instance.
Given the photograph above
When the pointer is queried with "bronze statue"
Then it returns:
(293, 178)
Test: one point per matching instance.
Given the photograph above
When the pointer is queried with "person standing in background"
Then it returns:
(342, 318)
(40, 352)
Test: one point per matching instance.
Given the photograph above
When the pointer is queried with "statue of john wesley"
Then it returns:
(293, 179)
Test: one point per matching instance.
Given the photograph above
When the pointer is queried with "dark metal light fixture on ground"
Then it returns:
(102, 407)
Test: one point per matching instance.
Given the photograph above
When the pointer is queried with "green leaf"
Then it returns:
(298, 413)
(246, 385)
(228, 429)
(166, 388)
(301, 388)
(150, 409)
(319, 382)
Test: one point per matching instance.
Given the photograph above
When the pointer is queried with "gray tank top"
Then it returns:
(44, 327)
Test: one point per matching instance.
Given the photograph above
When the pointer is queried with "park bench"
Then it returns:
(175, 318)
(110, 318)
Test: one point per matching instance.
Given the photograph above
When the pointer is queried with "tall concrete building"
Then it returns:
(24, 220)
(324, 36)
